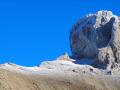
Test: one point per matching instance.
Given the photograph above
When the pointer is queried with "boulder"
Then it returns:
(97, 36)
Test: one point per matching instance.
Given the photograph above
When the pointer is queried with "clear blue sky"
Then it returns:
(32, 31)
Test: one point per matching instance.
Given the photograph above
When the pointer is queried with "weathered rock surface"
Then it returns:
(97, 36)
(64, 57)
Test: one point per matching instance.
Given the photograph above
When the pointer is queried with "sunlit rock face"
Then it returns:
(97, 36)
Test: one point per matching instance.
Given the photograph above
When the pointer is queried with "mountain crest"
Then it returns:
(97, 36)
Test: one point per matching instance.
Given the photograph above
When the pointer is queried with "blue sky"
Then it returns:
(32, 31)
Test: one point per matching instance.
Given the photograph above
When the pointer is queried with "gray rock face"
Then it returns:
(97, 36)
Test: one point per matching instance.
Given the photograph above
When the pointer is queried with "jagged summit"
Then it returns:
(97, 36)
(65, 57)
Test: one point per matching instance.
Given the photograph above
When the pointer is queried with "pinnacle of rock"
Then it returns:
(97, 36)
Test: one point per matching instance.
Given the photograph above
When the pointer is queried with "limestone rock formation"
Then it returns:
(97, 36)
(65, 57)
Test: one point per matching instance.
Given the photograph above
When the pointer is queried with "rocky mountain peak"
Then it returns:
(97, 36)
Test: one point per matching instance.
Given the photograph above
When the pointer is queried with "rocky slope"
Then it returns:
(14, 81)
(94, 64)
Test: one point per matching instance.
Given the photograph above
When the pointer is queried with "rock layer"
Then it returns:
(97, 36)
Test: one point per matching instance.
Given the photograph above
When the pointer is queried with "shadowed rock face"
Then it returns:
(97, 36)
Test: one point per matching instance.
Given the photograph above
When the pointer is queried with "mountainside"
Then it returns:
(56, 75)
(60, 74)
(94, 64)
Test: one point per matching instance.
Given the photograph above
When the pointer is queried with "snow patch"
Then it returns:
(56, 66)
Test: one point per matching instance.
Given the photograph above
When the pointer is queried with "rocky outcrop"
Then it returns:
(97, 36)
(64, 57)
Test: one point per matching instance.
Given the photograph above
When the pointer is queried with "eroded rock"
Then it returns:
(97, 36)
